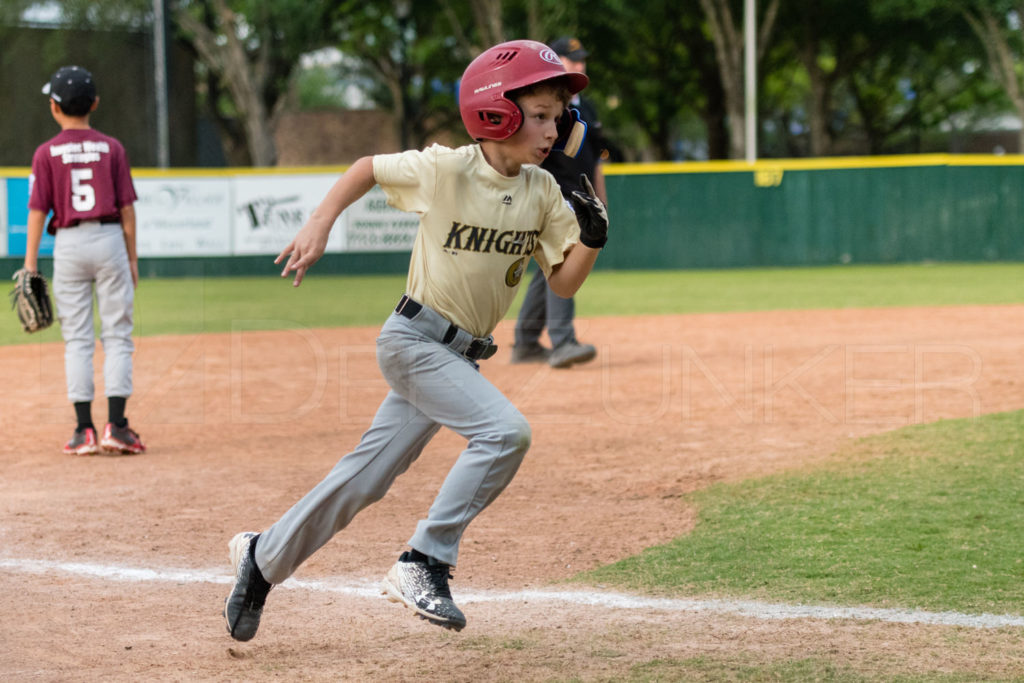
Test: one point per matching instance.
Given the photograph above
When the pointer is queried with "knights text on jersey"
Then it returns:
(478, 229)
(82, 175)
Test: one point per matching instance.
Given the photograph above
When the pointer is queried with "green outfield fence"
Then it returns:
(770, 213)
(816, 212)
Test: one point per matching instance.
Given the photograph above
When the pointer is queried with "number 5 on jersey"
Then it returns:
(83, 197)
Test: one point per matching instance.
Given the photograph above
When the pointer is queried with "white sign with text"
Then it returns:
(183, 217)
(268, 211)
(373, 225)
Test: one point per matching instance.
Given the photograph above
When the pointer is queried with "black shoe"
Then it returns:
(570, 353)
(530, 353)
(244, 606)
(424, 587)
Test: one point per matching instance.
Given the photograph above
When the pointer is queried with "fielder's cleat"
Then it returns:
(243, 608)
(530, 353)
(121, 440)
(570, 353)
(83, 442)
(423, 587)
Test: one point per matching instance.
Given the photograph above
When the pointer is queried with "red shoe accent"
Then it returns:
(82, 443)
(121, 440)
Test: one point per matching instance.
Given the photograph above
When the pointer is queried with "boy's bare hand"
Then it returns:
(302, 252)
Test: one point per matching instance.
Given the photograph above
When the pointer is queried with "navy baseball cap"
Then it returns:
(69, 85)
(571, 48)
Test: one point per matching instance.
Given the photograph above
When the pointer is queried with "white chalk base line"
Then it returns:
(608, 600)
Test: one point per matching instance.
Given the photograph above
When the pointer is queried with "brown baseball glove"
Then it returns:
(31, 299)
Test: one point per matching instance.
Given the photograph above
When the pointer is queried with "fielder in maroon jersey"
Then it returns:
(82, 176)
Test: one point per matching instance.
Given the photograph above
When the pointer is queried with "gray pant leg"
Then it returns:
(115, 299)
(395, 439)
(533, 312)
(560, 314)
(72, 293)
(450, 390)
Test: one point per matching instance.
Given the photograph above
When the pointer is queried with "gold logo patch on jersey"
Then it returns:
(514, 274)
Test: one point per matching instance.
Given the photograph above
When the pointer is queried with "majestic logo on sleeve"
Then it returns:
(463, 237)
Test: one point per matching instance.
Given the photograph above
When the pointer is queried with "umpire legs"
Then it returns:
(533, 312)
(542, 308)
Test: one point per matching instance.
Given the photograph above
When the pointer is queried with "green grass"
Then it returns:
(197, 305)
(725, 667)
(200, 305)
(709, 291)
(928, 517)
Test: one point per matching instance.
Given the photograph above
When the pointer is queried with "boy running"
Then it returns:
(484, 210)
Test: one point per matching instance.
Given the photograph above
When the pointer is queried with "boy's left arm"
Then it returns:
(567, 277)
(128, 226)
(36, 222)
(308, 245)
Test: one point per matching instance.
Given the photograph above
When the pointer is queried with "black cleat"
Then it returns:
(243, 608)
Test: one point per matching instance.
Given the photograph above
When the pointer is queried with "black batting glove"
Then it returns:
(591, 215)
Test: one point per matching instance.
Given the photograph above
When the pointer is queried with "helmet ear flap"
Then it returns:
(504, 119)
(517, 119)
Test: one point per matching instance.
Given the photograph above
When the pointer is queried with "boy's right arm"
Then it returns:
(311, 241)
(36, 221)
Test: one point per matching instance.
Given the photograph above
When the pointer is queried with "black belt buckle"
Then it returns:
(408, 307)
(480, 349)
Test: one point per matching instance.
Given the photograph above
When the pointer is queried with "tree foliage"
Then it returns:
(410, 51)
(726, 20)
(834, 77)
(654, 85)
(250, 50)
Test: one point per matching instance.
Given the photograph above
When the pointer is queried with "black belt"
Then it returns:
(103, 220)
(478, 349)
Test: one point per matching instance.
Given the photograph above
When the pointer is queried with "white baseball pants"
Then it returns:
(87, 256)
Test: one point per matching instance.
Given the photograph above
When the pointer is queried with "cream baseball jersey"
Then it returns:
(478, 229)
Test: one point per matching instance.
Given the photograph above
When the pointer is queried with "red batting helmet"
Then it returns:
(498, 70)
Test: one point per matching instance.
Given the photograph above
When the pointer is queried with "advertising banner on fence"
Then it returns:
(183, 217)
(373, 225)
(17, 220)
(268, 211)
(3, 218)
(223, 215)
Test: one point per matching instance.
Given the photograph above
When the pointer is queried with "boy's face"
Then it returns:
(532, 143)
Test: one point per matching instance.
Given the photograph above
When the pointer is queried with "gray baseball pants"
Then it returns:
(432, 385)
(87, 256)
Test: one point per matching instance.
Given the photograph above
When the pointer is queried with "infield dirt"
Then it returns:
(239, 426)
